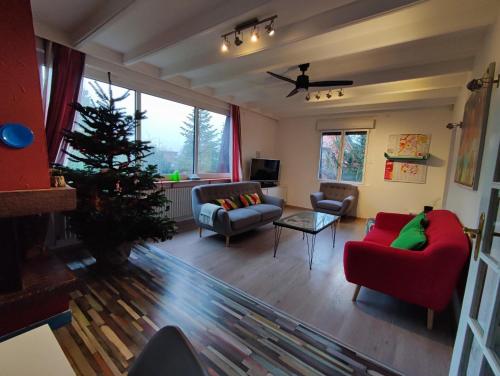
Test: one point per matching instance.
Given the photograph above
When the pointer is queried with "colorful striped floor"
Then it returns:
(115, 313)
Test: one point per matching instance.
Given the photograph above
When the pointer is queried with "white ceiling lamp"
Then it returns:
(255, 35)
(225, 45)
(270, 28)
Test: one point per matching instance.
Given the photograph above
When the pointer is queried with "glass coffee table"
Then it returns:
(310, 223)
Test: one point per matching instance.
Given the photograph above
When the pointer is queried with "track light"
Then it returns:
(225, 45)
(329, 94)
(255, 35)
(249, 24)
(270, 29)
(341, 93)
(318, 96)
(237, 40)
(308, 97)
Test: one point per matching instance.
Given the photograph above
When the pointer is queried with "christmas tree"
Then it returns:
(118, 201)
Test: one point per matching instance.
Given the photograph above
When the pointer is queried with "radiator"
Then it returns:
(181, 207)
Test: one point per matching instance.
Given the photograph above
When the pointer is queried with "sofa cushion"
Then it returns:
(243, 217)
(412, 235)
(228, 203)
(249, 199)
(330, 204)
(381, 236)
(268, 211)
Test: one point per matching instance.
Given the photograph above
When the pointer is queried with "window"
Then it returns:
(169, 127)
(185, 138)
(342, 155)
(88, 96)
(213, 145)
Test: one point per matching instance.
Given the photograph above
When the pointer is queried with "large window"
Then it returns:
(89, 97)
(185, 138)
(342, 156)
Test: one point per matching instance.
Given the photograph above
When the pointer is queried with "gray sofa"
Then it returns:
(237, 221)
(335, 198)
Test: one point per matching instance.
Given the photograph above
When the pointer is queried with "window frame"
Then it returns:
(138, 132)
(343, 133)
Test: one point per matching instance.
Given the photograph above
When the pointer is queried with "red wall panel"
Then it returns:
(20, 99)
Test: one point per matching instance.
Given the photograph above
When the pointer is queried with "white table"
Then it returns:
(36, 352)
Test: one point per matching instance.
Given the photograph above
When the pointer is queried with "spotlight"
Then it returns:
(270, 29)
(318, 96)
(475, 84)
(308, 97)
(329, 94)
(341, 93)
(454, 125)
(225, 45)
(255, 35)
(237, 40)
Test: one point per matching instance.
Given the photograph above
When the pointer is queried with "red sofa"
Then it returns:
(427, 277)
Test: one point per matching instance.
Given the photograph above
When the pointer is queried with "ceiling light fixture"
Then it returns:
(250, 24)
(255, 35)
(225, 45)
(341, 93)
(270, 28)
(329, 94)
(308, 97)
(318, 96)
(237, 40)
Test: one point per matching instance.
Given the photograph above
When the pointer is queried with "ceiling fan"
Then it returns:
(302, 82)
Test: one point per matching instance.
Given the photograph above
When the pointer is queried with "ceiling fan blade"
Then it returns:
(293, 92)
(282, 77)
(331, 83)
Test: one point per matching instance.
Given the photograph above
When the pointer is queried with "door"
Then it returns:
(477, 346)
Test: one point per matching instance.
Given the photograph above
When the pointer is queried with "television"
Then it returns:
(265, 170)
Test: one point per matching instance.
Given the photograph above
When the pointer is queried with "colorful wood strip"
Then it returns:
(115, 313)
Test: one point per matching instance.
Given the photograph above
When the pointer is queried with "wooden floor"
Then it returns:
(384, 328)
(116, 311)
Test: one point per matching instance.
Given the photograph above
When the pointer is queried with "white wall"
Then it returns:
(462, 200)
(258, 138)
(298, 149)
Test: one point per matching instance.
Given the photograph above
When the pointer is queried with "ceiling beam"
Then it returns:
(361, 78)
(202, 23)
(299, 31)
(98, 21)
(404, 26)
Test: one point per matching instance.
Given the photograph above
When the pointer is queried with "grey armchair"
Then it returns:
(335, 198)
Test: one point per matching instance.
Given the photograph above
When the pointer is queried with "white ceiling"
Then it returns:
(400, 53)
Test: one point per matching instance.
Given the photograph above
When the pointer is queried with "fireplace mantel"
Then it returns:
(36, 201)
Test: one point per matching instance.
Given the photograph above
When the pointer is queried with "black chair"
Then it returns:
(167, 353)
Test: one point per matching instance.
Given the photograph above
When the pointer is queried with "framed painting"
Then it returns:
(470, 151)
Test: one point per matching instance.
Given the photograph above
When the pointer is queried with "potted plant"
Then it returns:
(118, 202)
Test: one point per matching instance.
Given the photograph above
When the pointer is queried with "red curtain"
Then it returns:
(67, 71)
(236, 144)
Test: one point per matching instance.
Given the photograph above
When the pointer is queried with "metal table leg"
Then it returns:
(277, 236)
(334, 232)
(311, 248)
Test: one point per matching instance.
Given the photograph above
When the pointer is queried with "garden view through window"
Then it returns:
(181, 134)
(342, 155)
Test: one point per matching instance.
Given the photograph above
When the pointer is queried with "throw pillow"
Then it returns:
(227, 203)
(412, 235)
(249, 199)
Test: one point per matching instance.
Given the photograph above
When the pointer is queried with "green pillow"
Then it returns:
(412, 235)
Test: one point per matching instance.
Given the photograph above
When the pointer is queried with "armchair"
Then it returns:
(335, 198)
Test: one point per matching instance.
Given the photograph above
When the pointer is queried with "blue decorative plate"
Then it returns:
(16, 135)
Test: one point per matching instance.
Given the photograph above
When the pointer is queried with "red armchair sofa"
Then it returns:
(426, 277)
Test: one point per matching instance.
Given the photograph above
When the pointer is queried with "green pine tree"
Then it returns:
(209, 143)
(117, 199)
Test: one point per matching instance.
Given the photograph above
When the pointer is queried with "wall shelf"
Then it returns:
(407, 159)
